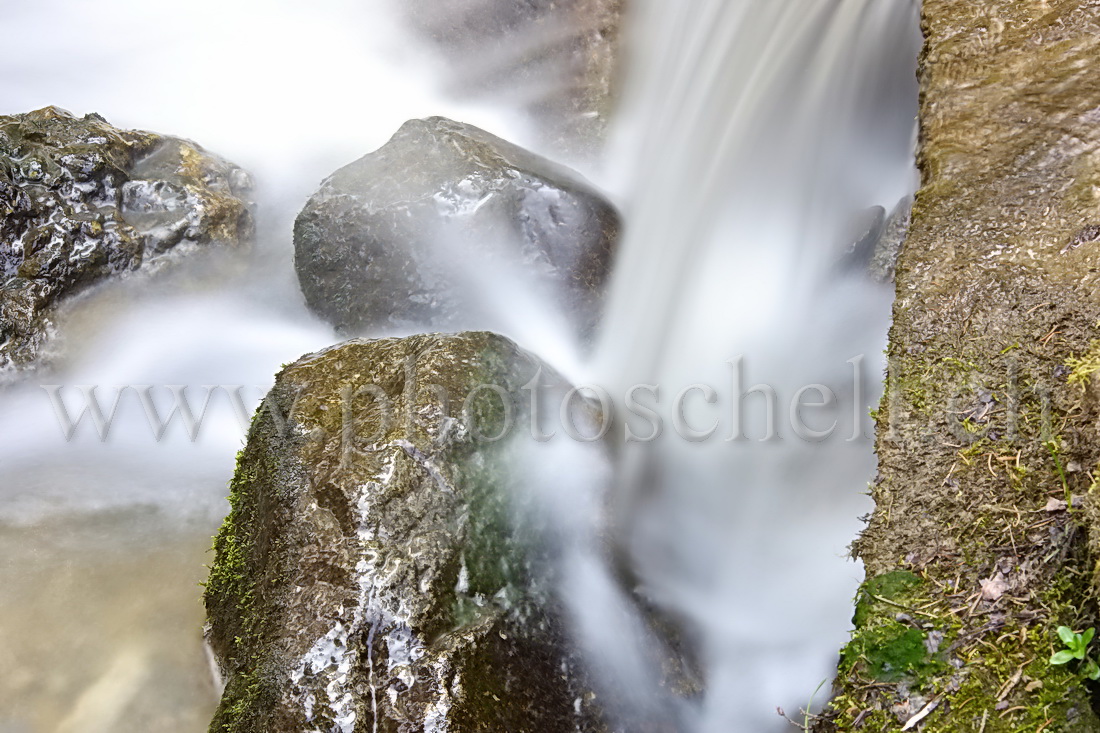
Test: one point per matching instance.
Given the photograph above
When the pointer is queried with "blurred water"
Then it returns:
(750, 131)
(750, 135)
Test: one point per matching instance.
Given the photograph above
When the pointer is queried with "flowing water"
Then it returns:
(753, 132)
(749, 133)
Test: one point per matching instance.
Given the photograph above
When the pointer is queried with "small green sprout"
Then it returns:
(1077, 647)
(1054, 447)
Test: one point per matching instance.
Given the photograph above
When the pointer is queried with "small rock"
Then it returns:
(862, 237)
(1055, 505)
(933, 641)
(1088, 233)
(889, 245)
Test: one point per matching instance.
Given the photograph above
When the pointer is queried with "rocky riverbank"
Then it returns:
(977, 551)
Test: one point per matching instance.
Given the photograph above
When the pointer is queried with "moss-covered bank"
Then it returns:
(988, 431)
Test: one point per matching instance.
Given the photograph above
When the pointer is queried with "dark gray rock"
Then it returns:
(875, 240)
(409, 237)
(862, 236)
(82, 201)
(373, 574)
(890, 242)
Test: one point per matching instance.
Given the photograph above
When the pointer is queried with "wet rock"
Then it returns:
(560, 57)
(372, 574)
(875, 240)
(410, 237)
(82, 201)
(862, 237)
(885, 256)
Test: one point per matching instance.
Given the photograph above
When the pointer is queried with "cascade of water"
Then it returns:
(750, 133)
(750, 129)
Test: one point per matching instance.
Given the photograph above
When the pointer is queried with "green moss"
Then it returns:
(881, 647)
(888, 586)
(999, 672)
(1083, 367)
(891, 653)
(496, 556)
(232, 588)
(891, 585)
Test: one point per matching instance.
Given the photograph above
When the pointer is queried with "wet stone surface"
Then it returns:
(373, 574)
(82, 201)
(412, 236)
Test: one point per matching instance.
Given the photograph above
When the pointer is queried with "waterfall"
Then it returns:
(749, 134)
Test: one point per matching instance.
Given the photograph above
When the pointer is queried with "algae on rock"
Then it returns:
(373, 574)
(997, 290)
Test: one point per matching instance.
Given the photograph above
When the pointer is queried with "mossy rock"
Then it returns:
(987, 429)
(374, 573)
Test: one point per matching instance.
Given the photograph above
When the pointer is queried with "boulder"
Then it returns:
(409, 238)
(374, 574)
(82, 201)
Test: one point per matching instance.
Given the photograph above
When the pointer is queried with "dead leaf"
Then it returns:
(1056, 505)
(994, 588)
(916, 719)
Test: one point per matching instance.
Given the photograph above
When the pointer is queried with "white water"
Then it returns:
(742, 147)
(753, 131)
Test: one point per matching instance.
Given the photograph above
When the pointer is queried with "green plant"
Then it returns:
(1077, 648)
(1054, 447)
(1083, 367)
(810, 704)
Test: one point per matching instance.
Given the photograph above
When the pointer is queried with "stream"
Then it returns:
(750, 133)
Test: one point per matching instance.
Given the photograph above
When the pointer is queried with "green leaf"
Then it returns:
(1067, 636)
(1087, 636)
(1063, 657)
(1092, 671)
